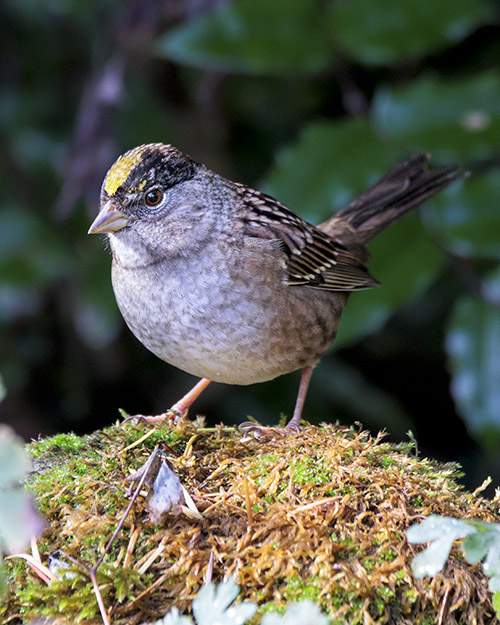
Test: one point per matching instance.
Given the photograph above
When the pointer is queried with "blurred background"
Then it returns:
(308, 100)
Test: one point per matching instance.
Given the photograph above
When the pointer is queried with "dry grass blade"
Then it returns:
(321, 515)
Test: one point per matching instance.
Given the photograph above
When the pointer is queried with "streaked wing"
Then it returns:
(313, 258)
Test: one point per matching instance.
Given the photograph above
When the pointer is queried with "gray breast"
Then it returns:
(234, 321)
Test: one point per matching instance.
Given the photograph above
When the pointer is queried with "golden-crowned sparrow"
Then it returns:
(226, 283)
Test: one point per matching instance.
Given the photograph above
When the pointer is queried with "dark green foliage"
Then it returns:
(311, 101)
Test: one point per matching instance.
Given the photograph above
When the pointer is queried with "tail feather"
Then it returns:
(403, 188)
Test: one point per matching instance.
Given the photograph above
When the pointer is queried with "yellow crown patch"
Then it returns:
(120, 171)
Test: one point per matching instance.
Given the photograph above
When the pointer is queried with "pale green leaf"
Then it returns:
(300, 613)
(441, 532)
(174, 618)
(18, 520)
(437, 527)
(476, 545)
(14, 462)
(213, 605)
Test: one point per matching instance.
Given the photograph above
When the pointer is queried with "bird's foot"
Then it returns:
(175, 414)
(250, 428)
(178, 411)
(293, 426)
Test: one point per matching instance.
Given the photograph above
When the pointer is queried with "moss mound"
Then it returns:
(321, 514)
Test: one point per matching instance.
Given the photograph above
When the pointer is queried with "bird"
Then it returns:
(225, 282)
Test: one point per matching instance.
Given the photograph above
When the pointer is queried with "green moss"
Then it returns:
(347, 490)
(341, 598)
(263, 462)
(321, 515)
(60, 444)
(298, 588)
(310, 471)
(411, 594)
(387, 461)
(390, 555)
(73, 596)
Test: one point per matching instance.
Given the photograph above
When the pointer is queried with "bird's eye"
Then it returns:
(154, 197)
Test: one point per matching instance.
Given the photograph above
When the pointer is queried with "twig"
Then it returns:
(100, 601)
(92, 571)
(140, 484)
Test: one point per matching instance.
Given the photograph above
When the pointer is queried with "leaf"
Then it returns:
(213, 605)
(14, 462)
(18, 517)
(437, 527)
(496, 603)
(442, 531)
(463, 126)
(165, 495)
(465, 217)
(494, 583)
(431, 560)
(473, 347)
(174, 618)
(302, 612)
(447, 118)
(253, 36)
(314, 178)
(405, 261)
(377, 32)
(476, 546)
(491, 565)
(18, 520)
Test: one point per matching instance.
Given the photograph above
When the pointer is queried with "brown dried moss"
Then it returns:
(321, 514)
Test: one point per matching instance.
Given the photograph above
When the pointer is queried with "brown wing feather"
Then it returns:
(313, 258)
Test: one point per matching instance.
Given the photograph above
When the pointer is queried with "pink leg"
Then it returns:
(294, 422)
(180, 408)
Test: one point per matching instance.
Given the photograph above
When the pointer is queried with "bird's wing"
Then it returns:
(312, 257)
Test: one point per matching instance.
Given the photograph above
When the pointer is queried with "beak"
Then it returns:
(109, 219)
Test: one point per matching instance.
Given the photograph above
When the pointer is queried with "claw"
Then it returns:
(178, 411)
(250, 428)
(172, 415)
(293, 427)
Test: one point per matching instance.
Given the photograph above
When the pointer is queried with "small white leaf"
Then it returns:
(303, 613)
(212, 606)
(174, 618)
(436, 527)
